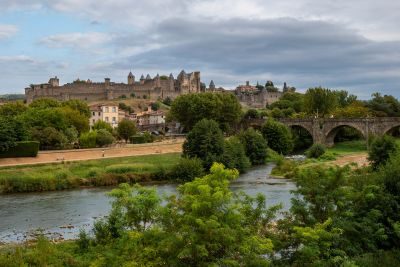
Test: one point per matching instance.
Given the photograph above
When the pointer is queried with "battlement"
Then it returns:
(153, 88)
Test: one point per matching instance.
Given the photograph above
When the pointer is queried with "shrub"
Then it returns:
(254, 145)
(380, 150)
(137, 139)
(21, 149)
(102, 125)
(278, 136)
(88, 139)
(104, 138)
(49, 138)
(187, 169)
(315, 151)
(234, 156)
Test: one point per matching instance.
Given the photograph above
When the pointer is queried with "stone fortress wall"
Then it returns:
(159, 87)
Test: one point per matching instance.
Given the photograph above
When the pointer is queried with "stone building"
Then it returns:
(159, 87)
(252, 96)
(107, 113)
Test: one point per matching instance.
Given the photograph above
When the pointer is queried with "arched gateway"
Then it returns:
(323, 131)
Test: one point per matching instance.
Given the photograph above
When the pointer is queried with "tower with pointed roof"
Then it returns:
(131, 78)
(211, 86)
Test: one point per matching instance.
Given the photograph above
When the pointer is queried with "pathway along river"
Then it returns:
(61, 214)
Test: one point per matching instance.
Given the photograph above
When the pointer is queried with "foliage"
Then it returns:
(205, 141)
(345, 99)
(302, 139)
(12, 109)
(278, 136)
(167, 101)
(88, 139)
(21, 149)
(316, 151)
(234, 156)
(125, 107)
(254, 145)
(44, 103)
(191, 108)
(187, 169)
(251, 114)
(320, 101)
(78, 105)
(104, 138)
(49, 138)
(126, 128)
(354, 110)
(155, 106)
(102, 125)
(381, 149)
(384, 106)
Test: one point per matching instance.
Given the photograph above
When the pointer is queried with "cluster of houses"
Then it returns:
(112, 114)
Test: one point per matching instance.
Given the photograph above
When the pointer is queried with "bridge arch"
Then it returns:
(390, 129)
(303, 138)
(332, 132)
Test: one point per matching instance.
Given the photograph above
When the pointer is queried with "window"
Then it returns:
(114, 109)
(107, 110)
(99, 113)
(114, 119)
(106, 119)
(93, 113)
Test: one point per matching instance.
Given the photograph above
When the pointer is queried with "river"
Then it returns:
(61, 214)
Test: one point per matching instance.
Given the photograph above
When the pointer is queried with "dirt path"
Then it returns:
(360, 159)
(171, 146)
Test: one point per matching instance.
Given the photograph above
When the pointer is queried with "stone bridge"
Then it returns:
(324, 130)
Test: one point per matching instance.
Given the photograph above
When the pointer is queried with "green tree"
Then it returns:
(7, 134)
(44, 103)
(320, 101)
(254, 145)
(234, 156)
(381, 149)
(384, 106)
(88, 139)
(187, 169)
(155, 106)
(78, 105)
(205, 141)
(12, 109)
(191, 108)
(251, 114)
(103, 125)
(344, 98)
(104, 138)
(49, 138)
(278, 136)
(126, 128)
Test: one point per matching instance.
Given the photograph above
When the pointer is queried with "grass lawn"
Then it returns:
(59, 176)
(348, 147)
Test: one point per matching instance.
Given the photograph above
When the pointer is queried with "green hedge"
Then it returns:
(22, 149)
(138, 139)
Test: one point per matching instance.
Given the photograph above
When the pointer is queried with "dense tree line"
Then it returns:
(57, 125)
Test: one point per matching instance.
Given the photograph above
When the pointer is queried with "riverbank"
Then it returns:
(75, 174)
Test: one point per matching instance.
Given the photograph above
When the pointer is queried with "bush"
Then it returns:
(254, 145)
(126, 128)
(104, 138)
(278, 136)
(21, 149)
(187, 169)
(234, 156)
(137, 139)
(88, 139)
(380, 150)
(315, 151)
(102, 125)
(49, 138)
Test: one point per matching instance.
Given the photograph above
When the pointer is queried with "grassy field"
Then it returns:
(100, 172)
(349, 147)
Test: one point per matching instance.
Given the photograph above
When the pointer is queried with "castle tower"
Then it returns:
(54, 82)
(142, 79)
(212, 86)
(148, 77)
(131, 78)
(157, 80)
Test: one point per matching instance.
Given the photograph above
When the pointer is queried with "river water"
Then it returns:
(61, 214)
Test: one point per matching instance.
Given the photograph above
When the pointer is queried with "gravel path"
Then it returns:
(170, 146)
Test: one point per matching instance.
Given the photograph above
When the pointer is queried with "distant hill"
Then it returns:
(11, 97)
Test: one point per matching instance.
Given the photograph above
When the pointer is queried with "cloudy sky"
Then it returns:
(353, 45)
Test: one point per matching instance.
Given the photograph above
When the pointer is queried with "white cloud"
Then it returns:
(6, 31)
(77, 40)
